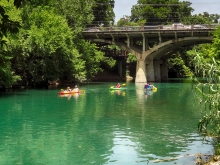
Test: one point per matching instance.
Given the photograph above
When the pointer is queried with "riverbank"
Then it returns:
(214, 160)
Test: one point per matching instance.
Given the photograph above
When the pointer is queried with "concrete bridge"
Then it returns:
(151, 61)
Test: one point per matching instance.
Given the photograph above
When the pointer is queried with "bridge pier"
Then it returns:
(164, 71)
(150, 70)
(141, 72)
(157, 71)
(119, 68)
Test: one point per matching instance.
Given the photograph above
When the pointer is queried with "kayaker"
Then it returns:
(150, 86)
(76, 89)
(68, 89)
(118, 85)
(145, 86)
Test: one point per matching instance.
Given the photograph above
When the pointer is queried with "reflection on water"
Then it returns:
(149, 92)
(68, 96)
(118, 92)
(101, 126)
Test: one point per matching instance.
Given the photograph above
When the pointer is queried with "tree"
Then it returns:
(157, 12)
(77, 13)
(126, 21)
(177, 67)
(49, 45)
(215, 52)
(44, 50)
(208, 88)
(10, 23)
(103, 13)
(206, 82)
(197, 19)
(92, 58)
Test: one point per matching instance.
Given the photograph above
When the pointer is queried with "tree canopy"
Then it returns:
(157, 12)
(10, 23)
(103, 13)
(44, 41)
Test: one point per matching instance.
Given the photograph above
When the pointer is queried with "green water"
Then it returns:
(101, 127)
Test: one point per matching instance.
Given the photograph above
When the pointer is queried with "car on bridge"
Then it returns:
(178, 26)
(196, 27)
(126, 28)
(92, 29)
(175, 26)
(150, 27)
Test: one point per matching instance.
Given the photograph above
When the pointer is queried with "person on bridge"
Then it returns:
(118, 85)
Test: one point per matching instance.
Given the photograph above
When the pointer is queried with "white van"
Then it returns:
(178, 26)
(196, 27)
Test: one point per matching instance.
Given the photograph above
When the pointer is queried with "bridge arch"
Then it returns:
(157, 52)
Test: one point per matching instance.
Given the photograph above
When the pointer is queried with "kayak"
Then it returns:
(152, 89)
(115, 88)
(72, 92)
(68, 95)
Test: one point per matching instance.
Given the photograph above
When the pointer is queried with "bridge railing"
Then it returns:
(157, 27)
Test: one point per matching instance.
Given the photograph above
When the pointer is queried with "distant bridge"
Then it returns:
(151, 62)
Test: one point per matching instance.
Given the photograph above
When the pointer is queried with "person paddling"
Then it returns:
(76, 89)
(68, 89)
(151, 86)
(118, 85)
(145, 86)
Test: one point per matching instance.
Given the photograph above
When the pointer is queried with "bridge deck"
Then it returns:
(147, 33)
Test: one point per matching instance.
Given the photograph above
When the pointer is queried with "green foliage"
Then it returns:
(176, 64)
(77, 13)
(215, 51)
(9, 16)
(131, 58)
(205, 18)
(10, 23)
(46, 50)
(109, 61)
(203, 50)
(49, 45)
(126, 21)
(205, 60)
(7, 76)
(157, 12)
(207, 80)
(103, 13)
(91, 56)
(197, 19)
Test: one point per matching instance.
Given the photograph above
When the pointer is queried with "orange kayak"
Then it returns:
(72, 92)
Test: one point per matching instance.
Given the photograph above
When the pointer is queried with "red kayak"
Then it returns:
(72, 92)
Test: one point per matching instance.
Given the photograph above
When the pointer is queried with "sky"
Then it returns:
(123, 7)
